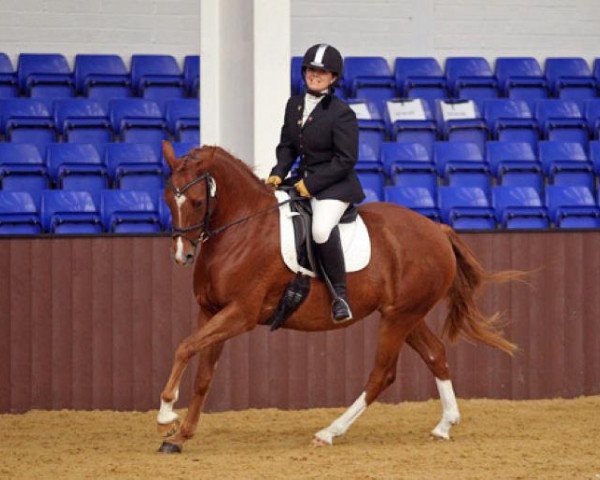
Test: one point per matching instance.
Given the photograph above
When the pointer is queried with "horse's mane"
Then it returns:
(218, 154)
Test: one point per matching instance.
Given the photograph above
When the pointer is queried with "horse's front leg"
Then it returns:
(227, 323)
(168, 427)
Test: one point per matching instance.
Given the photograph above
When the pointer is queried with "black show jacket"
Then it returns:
(327, 145)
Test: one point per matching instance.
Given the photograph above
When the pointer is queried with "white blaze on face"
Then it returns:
(179, 256)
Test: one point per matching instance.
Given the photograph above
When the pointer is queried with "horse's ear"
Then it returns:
(169, 154)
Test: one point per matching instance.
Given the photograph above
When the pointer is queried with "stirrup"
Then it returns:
(340, 310)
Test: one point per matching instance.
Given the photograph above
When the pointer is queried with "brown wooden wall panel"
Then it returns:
(92, 323)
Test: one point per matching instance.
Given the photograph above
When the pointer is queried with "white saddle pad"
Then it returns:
(355, 240)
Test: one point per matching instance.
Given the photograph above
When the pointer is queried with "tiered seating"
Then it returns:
(419, 199)
(566, 163)
(519, 208)
(129, 211)
(420, 78)
(134, 166)
(137, 120)
(466, 208)
(521, 78)
(77, 166)
(462, 164)
(8, 79)
(22, 168)
(572, 207)
(510, 120)
(102, 77)
(25, 120)
(45, 75)
(19, 214)
(461, 120)
(408, 164)
(70, 212)
(80, 120)
(471, 78)
(183, 119)
(561, 120)
(191, 75)
(369, 78)
(570, 78)
(514, 164)
(157, 77)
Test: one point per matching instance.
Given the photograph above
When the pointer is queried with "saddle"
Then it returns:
(301, 209)
(300, 257)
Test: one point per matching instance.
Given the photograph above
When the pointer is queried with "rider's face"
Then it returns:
(318, 79)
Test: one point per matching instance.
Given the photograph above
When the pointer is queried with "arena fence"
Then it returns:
(92, 323)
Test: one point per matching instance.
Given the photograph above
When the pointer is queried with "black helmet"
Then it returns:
(323, 56)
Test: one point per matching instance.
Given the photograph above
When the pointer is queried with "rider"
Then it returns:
(323, 131)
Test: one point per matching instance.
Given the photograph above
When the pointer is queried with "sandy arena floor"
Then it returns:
(548, 439)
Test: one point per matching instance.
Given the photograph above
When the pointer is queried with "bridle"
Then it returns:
(204, 225)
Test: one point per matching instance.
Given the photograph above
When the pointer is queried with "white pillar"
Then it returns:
(245, 76)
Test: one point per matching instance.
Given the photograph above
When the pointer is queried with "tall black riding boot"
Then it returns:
(331, 258)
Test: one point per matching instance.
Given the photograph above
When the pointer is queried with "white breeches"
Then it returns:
(326, 215)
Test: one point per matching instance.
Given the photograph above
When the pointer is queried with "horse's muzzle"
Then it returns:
(182, 251)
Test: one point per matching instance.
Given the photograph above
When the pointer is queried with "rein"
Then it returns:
(206, 232)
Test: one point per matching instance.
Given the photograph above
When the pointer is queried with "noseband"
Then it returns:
(204, 225)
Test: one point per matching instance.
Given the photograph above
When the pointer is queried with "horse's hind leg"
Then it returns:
(432, 351)
(392, 333)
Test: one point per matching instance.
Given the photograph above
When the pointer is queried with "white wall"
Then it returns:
(443, 28)
(123, 27)
(389, 28)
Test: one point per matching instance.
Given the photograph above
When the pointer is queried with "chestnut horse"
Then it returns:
(227, 217)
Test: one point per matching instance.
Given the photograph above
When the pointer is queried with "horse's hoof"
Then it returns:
(317, 442)
(167, 447)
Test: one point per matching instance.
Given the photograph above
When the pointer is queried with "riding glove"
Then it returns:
(302, 190)
(274, 180)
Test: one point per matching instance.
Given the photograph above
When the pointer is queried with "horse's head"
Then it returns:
(190, 194)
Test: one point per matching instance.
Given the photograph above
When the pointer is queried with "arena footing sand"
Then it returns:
(545, 439)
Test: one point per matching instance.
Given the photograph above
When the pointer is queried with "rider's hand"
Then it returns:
(274, 180)
(302, 190)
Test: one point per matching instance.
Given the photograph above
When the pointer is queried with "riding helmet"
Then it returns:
(323, 56)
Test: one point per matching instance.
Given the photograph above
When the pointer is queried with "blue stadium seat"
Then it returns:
(76, 166)
(566, 163)
(420, 77)
(461, 120)
(471, 78)
(411, 121)
(129, 211)
(70, 213)
(80, 120)
(466, 208)
(594, 150)
(371, 127)
(137, 120)
(22, 168)
(183, 119)
(592, 116)
(572, 207)
(102, 77)
(369, 78)
(25, 120)
(461, 164)
(521, 78)
(515, 164)
(419, 199)
(296, 76)
(596, 72)
(191, 75)
(408, 164)
(570, 78)
(561, 120)
(8, 78)
(157, 77)
(372, 178)
(510, 120)
(370, 196)
(134, 166)
(45, 75)
(519, 208)
(18, 214)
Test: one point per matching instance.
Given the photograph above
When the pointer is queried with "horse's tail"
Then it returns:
(464, 317)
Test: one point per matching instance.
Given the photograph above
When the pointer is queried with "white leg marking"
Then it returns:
(341, 424)
(166, 414)
(450, 413)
